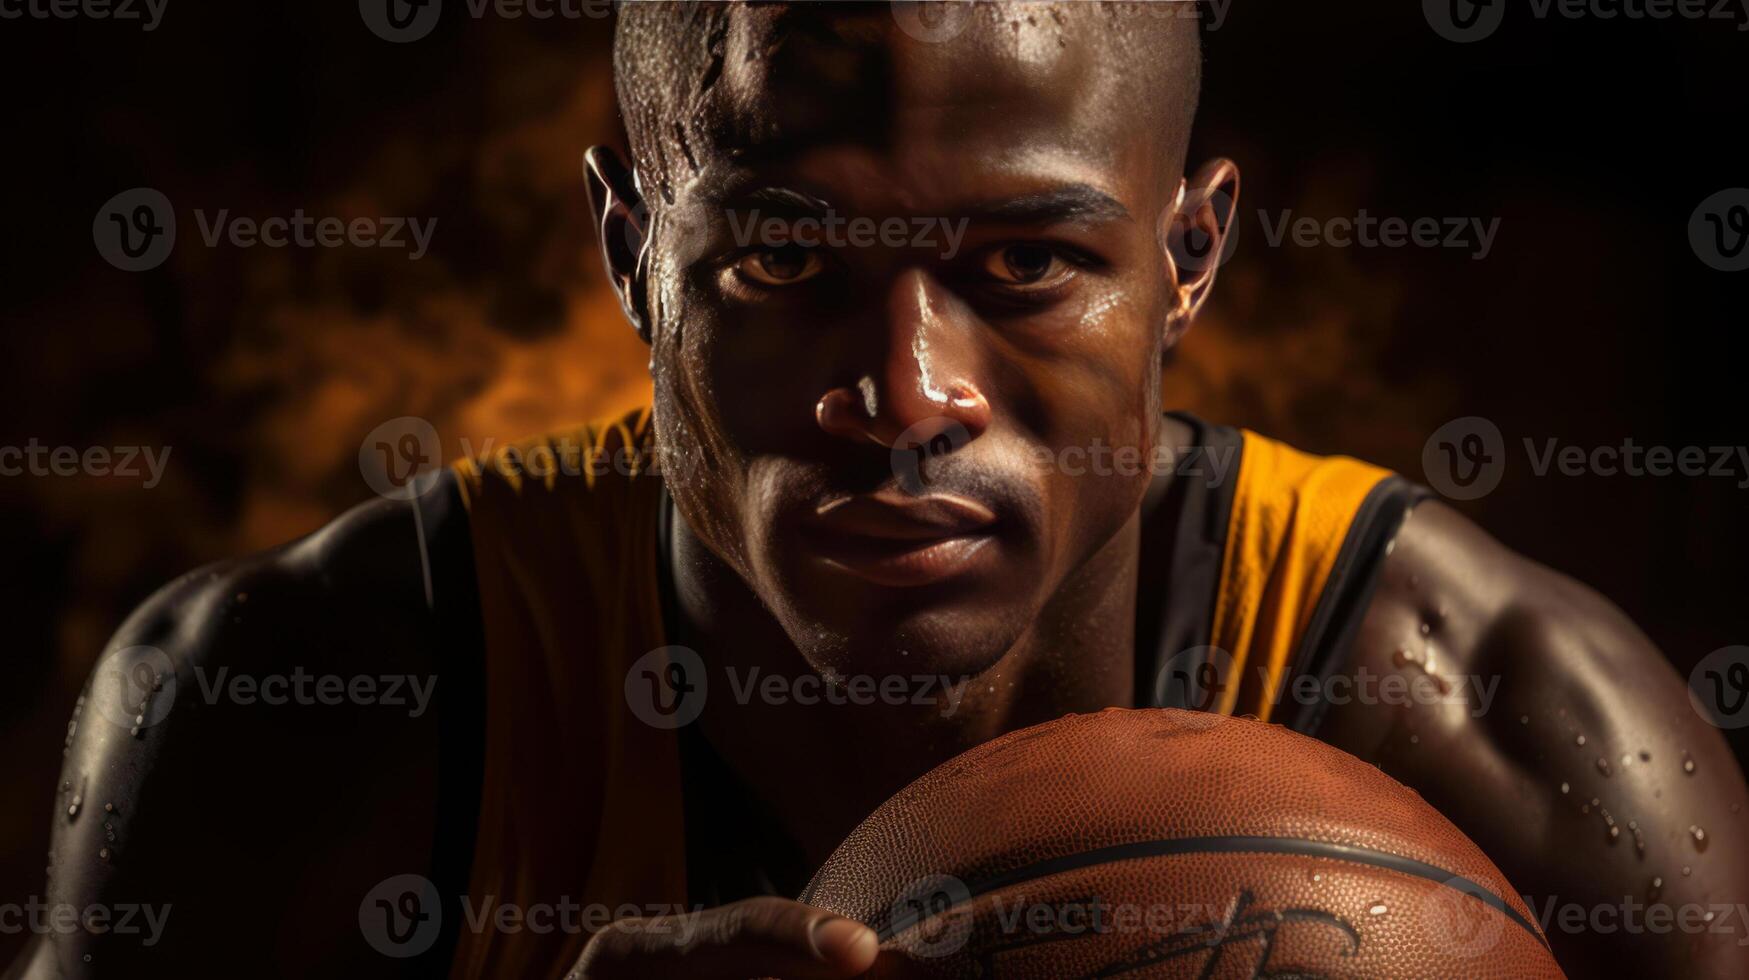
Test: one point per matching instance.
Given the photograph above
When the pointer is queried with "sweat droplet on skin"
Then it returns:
(1699, 837)
(1603, 765)
(1404, 657)
(78, 799)
(1579, 741)
(1687, 764)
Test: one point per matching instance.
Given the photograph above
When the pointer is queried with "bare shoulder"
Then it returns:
(1541, 720)
(255, 749)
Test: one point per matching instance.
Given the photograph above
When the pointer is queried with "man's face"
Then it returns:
(983, 273)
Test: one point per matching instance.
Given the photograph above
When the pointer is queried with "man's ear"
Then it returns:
(1199, 237)
(624, 223)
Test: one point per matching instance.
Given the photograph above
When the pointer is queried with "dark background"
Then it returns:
(1591, 321)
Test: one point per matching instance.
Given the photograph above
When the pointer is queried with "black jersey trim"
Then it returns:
(1184, 543)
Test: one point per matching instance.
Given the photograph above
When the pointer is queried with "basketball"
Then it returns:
(1163, 843)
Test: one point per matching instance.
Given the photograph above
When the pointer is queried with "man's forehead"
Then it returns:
(1021, 95)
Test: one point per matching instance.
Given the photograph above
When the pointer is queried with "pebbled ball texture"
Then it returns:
(1163, 843)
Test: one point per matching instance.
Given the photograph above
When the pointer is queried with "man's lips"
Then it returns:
(897, 540)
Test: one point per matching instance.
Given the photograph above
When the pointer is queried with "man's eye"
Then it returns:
(1024, 265)
(784, 265)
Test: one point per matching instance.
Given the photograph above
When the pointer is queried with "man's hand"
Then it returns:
(753, 938)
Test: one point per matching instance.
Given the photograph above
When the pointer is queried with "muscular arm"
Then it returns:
(239, 835)
(1575, 759)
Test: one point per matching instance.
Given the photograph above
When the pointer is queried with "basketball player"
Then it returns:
(786, 537)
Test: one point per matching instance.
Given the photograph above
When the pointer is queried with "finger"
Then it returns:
(756, 937)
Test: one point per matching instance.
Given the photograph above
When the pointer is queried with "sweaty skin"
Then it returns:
(785, 378)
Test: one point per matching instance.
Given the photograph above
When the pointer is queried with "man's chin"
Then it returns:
(959, 639)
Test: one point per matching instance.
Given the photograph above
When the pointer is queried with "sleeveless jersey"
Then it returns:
(1257, 566)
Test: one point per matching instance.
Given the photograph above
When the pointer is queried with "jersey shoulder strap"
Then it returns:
(1305, 536)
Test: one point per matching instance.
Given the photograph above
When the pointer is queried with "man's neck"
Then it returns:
(823, 767)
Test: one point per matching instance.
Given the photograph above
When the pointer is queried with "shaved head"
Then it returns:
(693, 77)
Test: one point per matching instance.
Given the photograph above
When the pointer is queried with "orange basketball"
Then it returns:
(1162, 843)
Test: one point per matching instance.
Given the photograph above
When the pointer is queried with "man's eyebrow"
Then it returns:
(780, 199)
(1069, 202)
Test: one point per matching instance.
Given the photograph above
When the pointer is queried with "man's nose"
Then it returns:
(924, 386)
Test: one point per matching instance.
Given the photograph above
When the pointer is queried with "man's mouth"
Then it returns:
(896, 540)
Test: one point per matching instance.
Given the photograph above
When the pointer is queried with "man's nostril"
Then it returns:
(965, 396)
